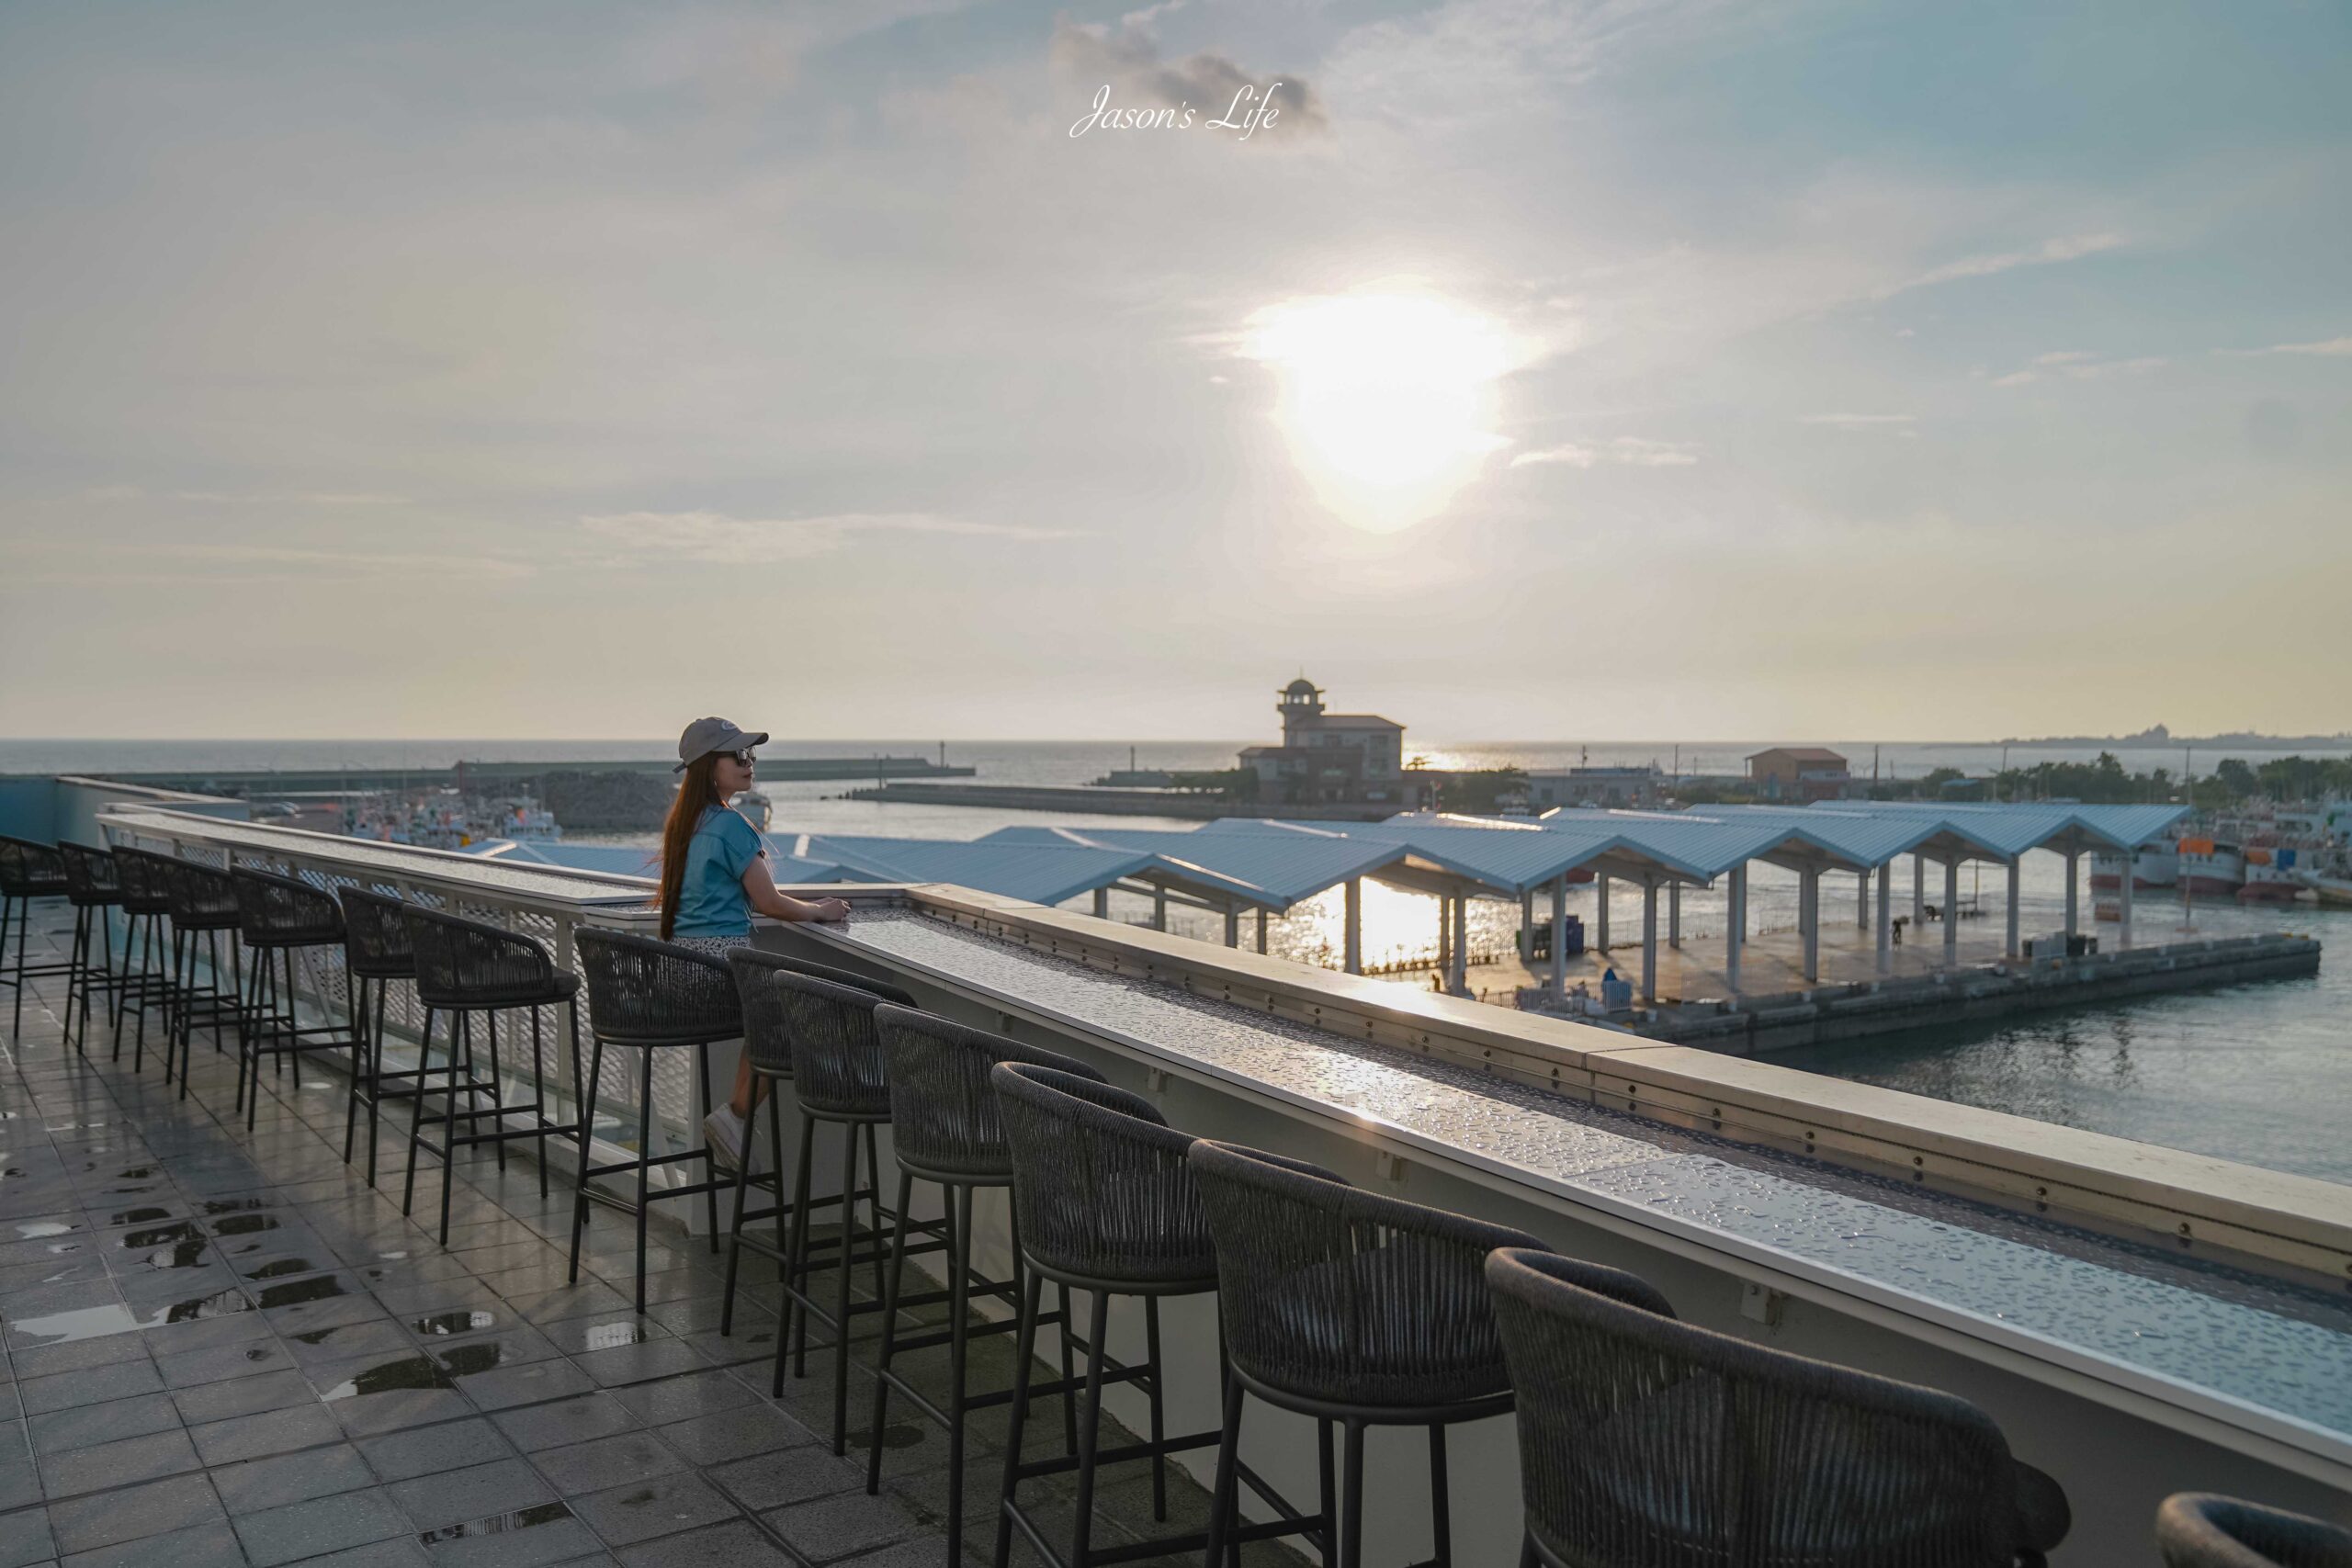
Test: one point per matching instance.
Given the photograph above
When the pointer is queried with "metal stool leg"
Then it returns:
(889, 1349)
(587, 1093)
(416, 1106)
(1025, 1349)
(1090, 1429)
(844, 1265)
(644, 1155)
(1441, 1503)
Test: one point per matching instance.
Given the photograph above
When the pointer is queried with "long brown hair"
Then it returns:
(697, 795)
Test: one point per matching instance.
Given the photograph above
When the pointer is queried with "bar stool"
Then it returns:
(27, 872)
(95, 892)
(278, 917)
(146, 886)
(2201, 1530)
(1103, 1200)
(767, 1046)
(203, 904)
(465, 967)
(1351, 1308)
(839, 1080)
(648, 996)
(1646, 1440)
(945, 1129)
(376, 952)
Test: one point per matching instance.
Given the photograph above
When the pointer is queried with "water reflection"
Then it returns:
(498, 1524)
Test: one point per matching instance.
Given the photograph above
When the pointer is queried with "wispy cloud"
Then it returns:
(2331, 347)
(1861, 420)
(714, 537)
(2075, 364)
(1570, 453)
(244, 498)
(2069, 248)
(1630, 451)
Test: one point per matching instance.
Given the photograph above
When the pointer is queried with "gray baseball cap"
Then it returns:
(705, 736)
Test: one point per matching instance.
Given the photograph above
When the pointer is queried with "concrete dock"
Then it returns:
(1779, 1011)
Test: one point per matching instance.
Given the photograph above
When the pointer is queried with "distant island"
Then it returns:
(2157, 735)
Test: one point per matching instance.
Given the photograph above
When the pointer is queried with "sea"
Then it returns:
(2259, 1072)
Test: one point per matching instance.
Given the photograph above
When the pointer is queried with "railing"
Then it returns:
(1473, 1139)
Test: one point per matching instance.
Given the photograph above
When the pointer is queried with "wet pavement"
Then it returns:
(223, 1348)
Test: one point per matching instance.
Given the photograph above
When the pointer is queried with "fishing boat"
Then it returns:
(2212, 867)
(2270, 876)
(2152, 867)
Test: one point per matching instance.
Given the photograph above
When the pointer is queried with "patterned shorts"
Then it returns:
(716, 946)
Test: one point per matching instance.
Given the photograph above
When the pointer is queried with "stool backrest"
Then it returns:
(283, 911)
(1334, 1293)
(200, 899)
(643, 992)
(2201, 1530)
(146, 879)
(942, 1110)
(768, 1032)
(90, 876)
(466, 962)
(1101, 1187)
(1655, 1444)
(30, 871)
(375, 936)
(837, 1063)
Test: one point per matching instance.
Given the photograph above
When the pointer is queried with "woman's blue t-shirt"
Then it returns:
(711, 900)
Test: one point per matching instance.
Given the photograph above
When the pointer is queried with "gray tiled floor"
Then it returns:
(225, 1348)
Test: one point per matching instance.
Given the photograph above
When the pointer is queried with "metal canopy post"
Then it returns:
(2011, 947)
(1649, 940)
(1952, 911)
(1919, 889)
(2073, 915)
(1461, 943)
(2123, 897)
(1674, 913)
(1734, 926)
(1886, 918)
(1354, 938)
(1809, 921)
(1862, 901)
(1560, 934)
(1601, 915)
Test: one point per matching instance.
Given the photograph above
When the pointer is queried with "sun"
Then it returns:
(1386, 398)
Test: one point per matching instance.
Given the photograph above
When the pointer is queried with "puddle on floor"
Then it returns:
(63, 1327)
(243, 1224)
(465, 1361)
(295, 1292)
(498, 1524)
(278, 1269)
(187, 1255)
(454, 1322)
(160, 1236)
(235, 1205)
(33, 1230)
(146, 1217)
(612, 1335)
(386, 1377)
(220, 1303)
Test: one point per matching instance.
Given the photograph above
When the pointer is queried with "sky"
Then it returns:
(1575, 371)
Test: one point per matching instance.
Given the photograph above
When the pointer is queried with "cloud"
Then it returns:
(1637, 453)
(1628, 451)
(2074, 365)
(1571, 454)
(1859, 421)
(714, 536)
(2331, 347)
(1129, 57)
(2071, 248)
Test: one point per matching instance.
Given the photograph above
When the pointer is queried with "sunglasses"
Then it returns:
(744, 756)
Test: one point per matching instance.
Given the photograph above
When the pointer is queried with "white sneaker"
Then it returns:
(723, 1131)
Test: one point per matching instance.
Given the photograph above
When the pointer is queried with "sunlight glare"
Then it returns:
(1386, 398)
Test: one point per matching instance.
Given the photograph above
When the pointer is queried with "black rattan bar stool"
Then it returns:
(278, 917)
(2199, 1529)
(146, 886)
(767, 1046)
(840, 1078)
(95, 893)
(376, 952)
(647, 995)
(945, 1129)
(203, 906)
(1356, 1309)
(1649, 1443)
(1103, 1200)
(28, 872)
(463, 968)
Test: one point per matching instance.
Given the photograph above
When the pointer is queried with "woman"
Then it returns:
(714, 876)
